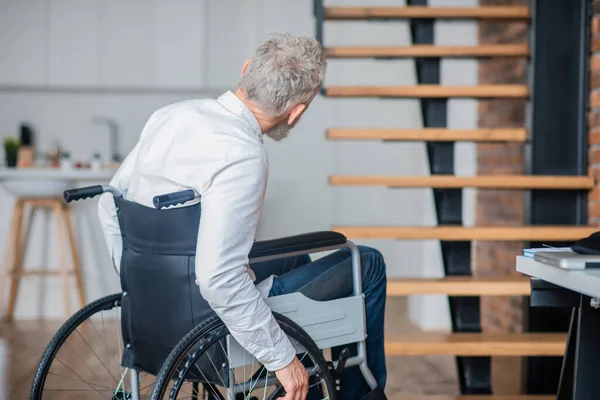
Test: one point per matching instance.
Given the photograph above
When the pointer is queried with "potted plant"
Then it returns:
(11, 150)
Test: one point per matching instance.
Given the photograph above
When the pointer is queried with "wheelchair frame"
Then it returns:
(328, 323)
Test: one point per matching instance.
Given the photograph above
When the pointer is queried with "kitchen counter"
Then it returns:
(56, 174)
(49, 182)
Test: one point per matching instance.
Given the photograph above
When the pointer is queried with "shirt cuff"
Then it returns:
(287, 352)
(265, 286)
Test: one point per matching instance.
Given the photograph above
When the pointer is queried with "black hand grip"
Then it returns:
(82, 193)
(172, 199)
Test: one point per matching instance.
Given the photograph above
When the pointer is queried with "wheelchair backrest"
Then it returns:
(161, 301)
(171, 231)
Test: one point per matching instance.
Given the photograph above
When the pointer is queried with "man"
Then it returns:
(216, 148)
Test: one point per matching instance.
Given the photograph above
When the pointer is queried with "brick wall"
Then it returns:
(500, 207)
(594, 117)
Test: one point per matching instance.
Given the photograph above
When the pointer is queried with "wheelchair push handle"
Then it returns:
(173, 199)
(82, 193)
(160, 201)
(89, 192)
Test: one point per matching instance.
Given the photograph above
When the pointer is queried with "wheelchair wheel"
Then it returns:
(83, 359)
(234, 373)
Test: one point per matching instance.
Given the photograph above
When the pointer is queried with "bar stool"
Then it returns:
(13, 266)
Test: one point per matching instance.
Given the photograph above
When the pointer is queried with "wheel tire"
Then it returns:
(104, 303)
(213, 324)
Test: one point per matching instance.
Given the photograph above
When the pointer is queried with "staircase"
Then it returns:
(471, 347)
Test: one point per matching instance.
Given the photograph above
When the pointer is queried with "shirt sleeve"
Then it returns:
(231, 206)
(107, 212)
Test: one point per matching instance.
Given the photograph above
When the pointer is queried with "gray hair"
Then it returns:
(285, 70)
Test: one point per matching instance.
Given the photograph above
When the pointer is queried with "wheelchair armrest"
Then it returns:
(291, 244)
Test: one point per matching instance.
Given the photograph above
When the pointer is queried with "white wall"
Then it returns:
(175, 45)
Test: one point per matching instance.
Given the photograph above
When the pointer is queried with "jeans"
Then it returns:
(330, 278)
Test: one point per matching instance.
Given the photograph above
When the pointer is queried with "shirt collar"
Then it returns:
(230, 101)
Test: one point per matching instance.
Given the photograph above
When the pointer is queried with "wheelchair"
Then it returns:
(159, 339)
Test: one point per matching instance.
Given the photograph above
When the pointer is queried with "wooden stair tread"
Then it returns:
(499, 12)
(535, 233)
(473, 397)
(476, 344)
(492, 50)
(430, 91)
(460, 286)
(429, 134)
(481, 181)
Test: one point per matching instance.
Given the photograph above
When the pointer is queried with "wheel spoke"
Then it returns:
(78, 390)
(104, 330)
(183, 366)
(100, 336)
(216, 370)
(147, 387)
(60, 369)
(76, 374)
(82, 360)
(226, 354)
(266, 384)
(98, 357)
(77, 380)
(206, 380)
(257, 379)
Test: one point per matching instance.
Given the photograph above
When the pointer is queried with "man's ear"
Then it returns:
(245, 67)
(295, 113)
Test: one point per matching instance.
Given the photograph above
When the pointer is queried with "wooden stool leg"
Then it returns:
(64, 271)
(75, 256)
(8, 250)
(17, 265)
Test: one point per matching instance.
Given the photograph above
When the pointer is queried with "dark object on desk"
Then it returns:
(26, 155)
(26, 135)
(588, 245)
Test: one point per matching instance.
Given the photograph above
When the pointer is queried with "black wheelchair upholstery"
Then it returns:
(161, 302)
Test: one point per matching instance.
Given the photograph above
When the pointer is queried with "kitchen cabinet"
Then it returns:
(73, 42)
(126, 41)
(180, 43)
(135, 45)
(23, 42)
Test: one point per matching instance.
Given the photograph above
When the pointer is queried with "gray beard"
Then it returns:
(279, 131)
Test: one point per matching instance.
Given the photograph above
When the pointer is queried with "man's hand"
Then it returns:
(294, 380)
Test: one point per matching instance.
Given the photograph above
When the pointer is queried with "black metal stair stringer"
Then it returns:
(319, 14)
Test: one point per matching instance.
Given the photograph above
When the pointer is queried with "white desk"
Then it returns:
(580, 374)
(584, 281)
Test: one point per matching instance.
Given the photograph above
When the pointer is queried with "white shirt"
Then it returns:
(214, 147)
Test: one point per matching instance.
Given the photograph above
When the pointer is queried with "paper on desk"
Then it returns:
(530, 252)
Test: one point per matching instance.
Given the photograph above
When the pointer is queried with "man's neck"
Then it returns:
(265, 122)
